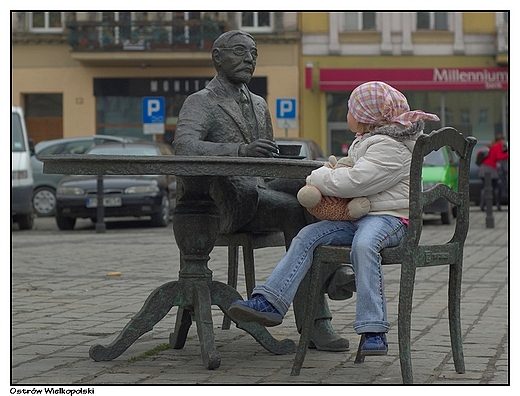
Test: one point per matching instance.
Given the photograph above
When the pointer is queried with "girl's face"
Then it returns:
(352, 123)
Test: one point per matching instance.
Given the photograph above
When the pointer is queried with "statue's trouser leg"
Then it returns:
(323, 335)
(278, 210)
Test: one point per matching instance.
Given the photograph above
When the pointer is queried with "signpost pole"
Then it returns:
(100, 218)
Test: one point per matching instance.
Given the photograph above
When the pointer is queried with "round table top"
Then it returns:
(85, 164)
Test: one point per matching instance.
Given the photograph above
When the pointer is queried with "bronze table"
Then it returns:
(195, 227)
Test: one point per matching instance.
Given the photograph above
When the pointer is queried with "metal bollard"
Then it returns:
(100, 221)
(488, 197)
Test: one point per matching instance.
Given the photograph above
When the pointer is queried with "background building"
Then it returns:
(85, 73)
(454, 64)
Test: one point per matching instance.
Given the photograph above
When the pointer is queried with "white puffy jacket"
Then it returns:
(381, 171)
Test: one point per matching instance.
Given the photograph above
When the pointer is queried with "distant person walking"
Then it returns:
(497, 152)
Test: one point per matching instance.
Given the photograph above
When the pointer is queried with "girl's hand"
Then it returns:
(330, 200)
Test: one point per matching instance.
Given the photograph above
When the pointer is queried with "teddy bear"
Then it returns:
(352, 209)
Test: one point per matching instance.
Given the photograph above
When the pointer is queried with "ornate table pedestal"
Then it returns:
(195, 226)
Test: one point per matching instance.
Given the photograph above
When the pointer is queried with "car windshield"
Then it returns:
(125, 150)
(435, 158)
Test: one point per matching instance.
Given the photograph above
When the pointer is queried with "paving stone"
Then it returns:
(63, 303)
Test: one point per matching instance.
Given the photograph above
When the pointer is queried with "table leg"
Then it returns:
(202, 313)
(156, 306)
(195, 225)
(182, 326)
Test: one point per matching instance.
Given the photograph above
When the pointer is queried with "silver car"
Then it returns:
(44, 192)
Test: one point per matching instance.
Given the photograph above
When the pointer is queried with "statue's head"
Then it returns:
(234, 56)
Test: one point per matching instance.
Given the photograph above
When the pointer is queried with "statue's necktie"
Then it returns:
(245, 107)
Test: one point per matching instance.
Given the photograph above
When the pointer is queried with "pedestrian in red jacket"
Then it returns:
(489, 166)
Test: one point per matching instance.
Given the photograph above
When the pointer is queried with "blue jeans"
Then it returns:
(367, 236)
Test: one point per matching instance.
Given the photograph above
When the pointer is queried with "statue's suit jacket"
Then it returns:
(211, 123)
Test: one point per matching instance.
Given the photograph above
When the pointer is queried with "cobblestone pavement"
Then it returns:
(63, 301)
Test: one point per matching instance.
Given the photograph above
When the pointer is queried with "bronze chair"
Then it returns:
(249, 242)
(410, 254)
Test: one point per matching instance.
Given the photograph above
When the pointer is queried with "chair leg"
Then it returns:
(249, 266)
(232, 278)
(308, 321)
(404, 321)
(454, 317)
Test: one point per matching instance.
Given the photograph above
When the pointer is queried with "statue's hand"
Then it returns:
(258, 148)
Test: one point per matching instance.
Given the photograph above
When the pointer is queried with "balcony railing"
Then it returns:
(144, 35)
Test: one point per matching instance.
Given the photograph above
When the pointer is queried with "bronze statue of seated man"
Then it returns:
(226, 119)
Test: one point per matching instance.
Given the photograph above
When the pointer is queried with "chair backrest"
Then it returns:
(451, 251)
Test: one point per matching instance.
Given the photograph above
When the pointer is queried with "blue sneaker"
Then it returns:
(257, 309)
(375, 345)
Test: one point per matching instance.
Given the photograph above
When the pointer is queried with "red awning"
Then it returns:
(436, 79)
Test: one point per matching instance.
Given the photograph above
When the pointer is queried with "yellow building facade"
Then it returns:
(86, 73)
(454, 64)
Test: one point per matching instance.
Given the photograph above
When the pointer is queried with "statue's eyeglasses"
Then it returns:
(241, 51)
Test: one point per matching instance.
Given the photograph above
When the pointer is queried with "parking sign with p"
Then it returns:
(153, 115)
(286, 113)
(285, 108)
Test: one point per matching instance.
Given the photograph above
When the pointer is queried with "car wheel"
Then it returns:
(162, 218)
(65, 223)
(25, 221)
(44, 202)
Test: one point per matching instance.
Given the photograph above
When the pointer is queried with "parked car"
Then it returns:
(475, 182)
(310, 149)
(440, 167)
(22, 179)
(127, 195)
(44, 192)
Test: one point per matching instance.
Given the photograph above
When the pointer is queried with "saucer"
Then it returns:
(290, 156)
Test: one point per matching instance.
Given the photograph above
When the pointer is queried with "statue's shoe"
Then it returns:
(324, 338)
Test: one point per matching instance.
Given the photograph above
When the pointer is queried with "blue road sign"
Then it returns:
(285, 108)
(153, 110)
(153, 115)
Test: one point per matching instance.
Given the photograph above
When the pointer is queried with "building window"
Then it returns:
(256, 21)
(464, 117)
(483, 116)
(359, 21)
(45, 22)
(432, 21)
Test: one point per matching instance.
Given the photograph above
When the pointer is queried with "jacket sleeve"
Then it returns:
(384, 164)
(500, 155)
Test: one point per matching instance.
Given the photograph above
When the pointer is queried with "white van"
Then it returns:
(21, 173)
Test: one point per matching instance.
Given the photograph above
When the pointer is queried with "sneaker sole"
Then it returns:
(244, 314)
(374, 353)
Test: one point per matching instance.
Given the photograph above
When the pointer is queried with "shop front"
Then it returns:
(472, 100)
(119, 102)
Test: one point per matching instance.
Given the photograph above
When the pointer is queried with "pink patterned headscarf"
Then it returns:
(377, 103)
